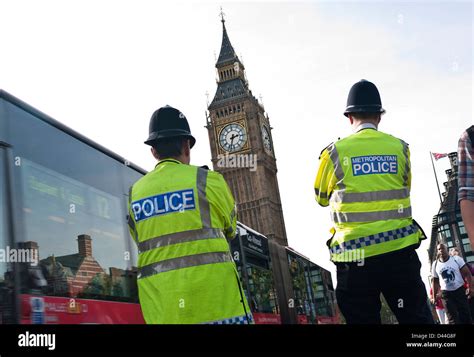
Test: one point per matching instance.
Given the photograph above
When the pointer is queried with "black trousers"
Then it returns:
(456, 304)
(395, 275)
(471, 307)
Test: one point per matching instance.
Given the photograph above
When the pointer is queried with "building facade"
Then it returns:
(448, 226)
(242, 146)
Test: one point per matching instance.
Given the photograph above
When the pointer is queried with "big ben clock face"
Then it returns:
(233, 137)
(267, 141)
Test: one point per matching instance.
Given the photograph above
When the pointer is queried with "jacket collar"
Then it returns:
(168, 160)
(365, 126)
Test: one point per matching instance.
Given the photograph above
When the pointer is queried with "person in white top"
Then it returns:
(453, 271)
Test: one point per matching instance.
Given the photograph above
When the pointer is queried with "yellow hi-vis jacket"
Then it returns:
(180, 216)
(365, 179)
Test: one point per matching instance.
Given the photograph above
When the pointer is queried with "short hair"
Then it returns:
(366, 116)
(169, 147)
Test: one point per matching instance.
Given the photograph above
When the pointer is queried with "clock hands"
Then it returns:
(232, 138)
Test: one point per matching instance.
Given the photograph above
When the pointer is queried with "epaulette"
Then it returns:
(324, 149)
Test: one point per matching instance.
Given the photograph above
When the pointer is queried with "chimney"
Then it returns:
(84, 243)
(32, 246)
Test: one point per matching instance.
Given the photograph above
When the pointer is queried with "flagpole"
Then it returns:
(436, 177)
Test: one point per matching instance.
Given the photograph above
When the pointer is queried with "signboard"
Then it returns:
(255, 243)
(266, 319)
(37, 310)
(324, 320)
(302, 319)
(58, 310)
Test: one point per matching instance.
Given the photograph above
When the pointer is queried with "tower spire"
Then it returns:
(222, 16)
(231, 81)
(227, 53)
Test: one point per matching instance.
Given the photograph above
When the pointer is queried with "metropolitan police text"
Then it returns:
(374, 164)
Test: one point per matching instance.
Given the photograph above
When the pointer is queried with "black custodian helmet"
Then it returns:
(364, 97)
(168, 122)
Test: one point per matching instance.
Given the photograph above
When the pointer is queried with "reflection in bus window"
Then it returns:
(78, 232)
(318, 291)
(3, 219)
(262, 290)
(297, 273)
(6, 277)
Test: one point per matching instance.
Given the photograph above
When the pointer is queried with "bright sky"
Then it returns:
(103, 67)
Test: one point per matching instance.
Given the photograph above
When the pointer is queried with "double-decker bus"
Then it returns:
(282, 285)
(66, 255)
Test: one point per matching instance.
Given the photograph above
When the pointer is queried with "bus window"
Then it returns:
(6, 277)
(317, 285)
(302, 301)
(73, 212)
(262, 290)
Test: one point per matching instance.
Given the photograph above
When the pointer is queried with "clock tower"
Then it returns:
(242, 147)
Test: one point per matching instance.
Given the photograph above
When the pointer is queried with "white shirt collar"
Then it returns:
(365, 126)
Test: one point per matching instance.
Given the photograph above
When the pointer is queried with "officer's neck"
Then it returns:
(358, 126)
(181, 158)
(444, 258)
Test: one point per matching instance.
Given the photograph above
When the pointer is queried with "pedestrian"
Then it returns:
(439, 307)
(366, 178)
(180, 217)
(455, 252)
(453, 271)
(466, 180)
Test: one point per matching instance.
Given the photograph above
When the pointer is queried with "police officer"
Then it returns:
(365, 179)
(180, 217)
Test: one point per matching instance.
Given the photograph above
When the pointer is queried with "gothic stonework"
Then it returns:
(242, 147)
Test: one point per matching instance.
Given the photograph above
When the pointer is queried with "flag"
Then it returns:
(438, 156)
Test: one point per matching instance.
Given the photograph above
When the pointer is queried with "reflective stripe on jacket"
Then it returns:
(365, 179)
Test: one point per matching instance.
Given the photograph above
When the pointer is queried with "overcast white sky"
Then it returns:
(103, 67)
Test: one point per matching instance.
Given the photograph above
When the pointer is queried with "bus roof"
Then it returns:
(243, 226)
(58, 125)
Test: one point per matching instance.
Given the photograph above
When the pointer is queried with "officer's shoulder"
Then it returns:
(210, 173)
(326, 148)
(395, 138)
